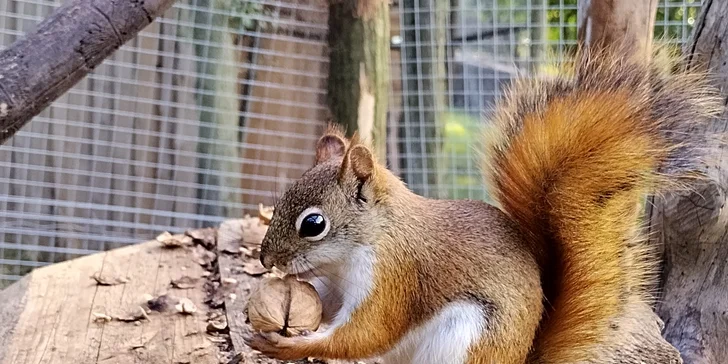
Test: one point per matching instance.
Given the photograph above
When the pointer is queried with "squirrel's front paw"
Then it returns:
(274, 345)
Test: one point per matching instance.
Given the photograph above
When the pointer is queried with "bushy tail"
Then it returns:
(571, 160)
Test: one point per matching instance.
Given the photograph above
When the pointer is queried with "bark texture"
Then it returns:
(604, 22)
(692, 226)
(358, 88)
(65, 47)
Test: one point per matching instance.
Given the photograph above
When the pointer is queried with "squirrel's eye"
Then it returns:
(312, 225)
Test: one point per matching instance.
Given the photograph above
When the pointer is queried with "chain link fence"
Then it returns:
(216, 107)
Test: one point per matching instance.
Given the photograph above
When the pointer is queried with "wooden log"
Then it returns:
(77, 37)
(358, 90)
(60, 314)
(692, 225)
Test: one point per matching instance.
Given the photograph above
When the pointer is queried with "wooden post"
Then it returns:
(359, 69)
(65, 47)
(693, 225)
(605, 22)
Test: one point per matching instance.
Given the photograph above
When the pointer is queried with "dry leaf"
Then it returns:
(203, 256)
(253, 231)
(100, 317)
(108, 281)
(232, 248)
(265, 213)
(253, 267)
(216, 325)
(229, 235)
(133, 317)
(173, 241)
(185, 282)
(206, 237)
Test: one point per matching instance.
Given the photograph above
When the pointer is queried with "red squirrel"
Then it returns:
(557, 273)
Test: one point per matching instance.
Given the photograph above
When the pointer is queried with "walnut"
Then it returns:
(285, 305)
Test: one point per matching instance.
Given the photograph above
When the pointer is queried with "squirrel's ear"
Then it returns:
(361, 161)
(330, 146)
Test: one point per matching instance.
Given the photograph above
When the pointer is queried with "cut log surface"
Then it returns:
(178, 299)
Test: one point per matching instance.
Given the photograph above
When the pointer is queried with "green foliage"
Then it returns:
(458, 168)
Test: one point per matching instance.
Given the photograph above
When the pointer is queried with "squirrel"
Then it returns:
(558, 272)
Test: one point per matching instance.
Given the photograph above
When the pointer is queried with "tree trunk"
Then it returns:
(693, 225)
(64, 48)
(605, 22)
(358, 87)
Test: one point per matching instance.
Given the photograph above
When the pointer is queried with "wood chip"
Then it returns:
(185, 306)
(185, 282)
(108, 281)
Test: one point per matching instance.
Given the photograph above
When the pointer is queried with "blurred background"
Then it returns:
(216, 107)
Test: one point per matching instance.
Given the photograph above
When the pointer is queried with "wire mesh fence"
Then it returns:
(216, 107)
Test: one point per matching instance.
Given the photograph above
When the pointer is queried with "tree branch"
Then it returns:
(65, 47)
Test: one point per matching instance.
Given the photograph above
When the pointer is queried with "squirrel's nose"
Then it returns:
(266, 260)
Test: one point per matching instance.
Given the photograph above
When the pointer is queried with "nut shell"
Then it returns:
(284, 303)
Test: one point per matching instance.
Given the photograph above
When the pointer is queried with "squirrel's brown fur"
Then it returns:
(560, 277)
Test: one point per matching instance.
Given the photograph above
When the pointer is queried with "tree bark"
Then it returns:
(692, 226)
(606, 22)
(358, 86)
(77, 37)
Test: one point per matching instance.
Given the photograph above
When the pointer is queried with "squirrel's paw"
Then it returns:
(276, 346)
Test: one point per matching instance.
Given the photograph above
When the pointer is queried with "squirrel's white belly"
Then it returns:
(444, 339)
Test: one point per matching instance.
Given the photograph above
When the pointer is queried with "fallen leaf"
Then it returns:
(217, 325)
(101, 317)
(253, 232)
(253, 267)
(206, 237)
(108, 281)
(133, 317)
(185, 282)
(173, 241)
(203, 256)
